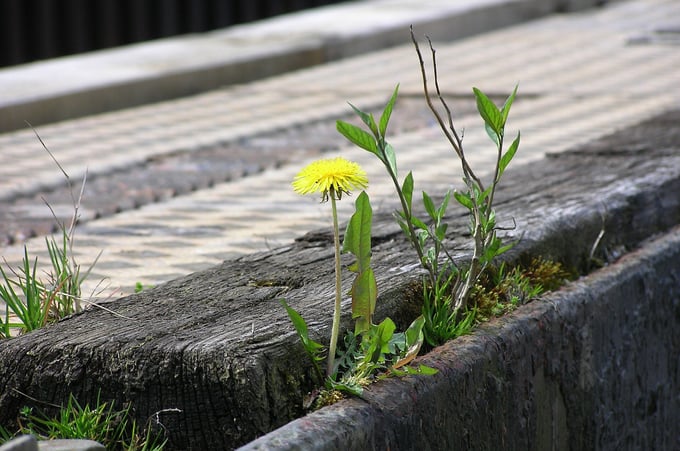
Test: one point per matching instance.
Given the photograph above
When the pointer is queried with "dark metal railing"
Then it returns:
(38, 29)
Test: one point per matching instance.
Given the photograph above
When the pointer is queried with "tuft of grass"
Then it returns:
(115, 429)
(23, 295)
(31, 302)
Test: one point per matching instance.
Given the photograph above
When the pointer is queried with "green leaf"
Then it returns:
(352, 389)
(387, 112)
(390, 159)
(314, 349)
(407, 189)
(404, 226)
(426, 370)
(300, 325)
(482, 197)
(492, 134)
(422, 235)
(504, 249)
(489, 112)
(380, 340)
(444, 205)
(418, 223)
(440, 231)
(357, 136)
(508, 103)
(364, 294)
(414, 340)
(358, 241)
(414, 331)
(429, 206)
(507, 156)
(463, 199)
(366, 119)
(357, 238)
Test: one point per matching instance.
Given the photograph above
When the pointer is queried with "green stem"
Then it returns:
(413, 237)
(338, 288)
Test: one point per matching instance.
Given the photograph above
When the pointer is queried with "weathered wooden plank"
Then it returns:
(218, 346)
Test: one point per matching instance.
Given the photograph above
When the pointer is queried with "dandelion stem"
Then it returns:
(338, 287)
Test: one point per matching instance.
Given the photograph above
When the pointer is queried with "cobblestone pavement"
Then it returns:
(166, 192)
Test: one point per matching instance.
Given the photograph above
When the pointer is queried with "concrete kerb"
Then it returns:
(76, 86)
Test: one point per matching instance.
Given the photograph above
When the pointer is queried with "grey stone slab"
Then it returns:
(22, 443)
(70, 445)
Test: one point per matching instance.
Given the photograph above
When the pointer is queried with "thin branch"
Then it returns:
(449, 115)
(449, 131)
(36, 400)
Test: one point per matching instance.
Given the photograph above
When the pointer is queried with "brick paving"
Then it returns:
(581, 76)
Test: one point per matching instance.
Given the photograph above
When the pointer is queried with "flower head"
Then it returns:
(330, 177)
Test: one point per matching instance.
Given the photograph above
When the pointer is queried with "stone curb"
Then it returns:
(106, 80)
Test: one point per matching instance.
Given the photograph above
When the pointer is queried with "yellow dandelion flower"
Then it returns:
(330, 177)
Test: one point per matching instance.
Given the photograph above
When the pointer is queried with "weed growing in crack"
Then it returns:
(447, 309)
(31, 301)
(370, 348)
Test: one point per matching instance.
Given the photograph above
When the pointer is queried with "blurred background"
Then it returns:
(38, 29)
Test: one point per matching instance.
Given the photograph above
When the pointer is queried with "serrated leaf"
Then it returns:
(358, 136)
(366, 119)
(489, 112)
(507, 156)
(357, 238)
(364, 294)
(387, 112)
